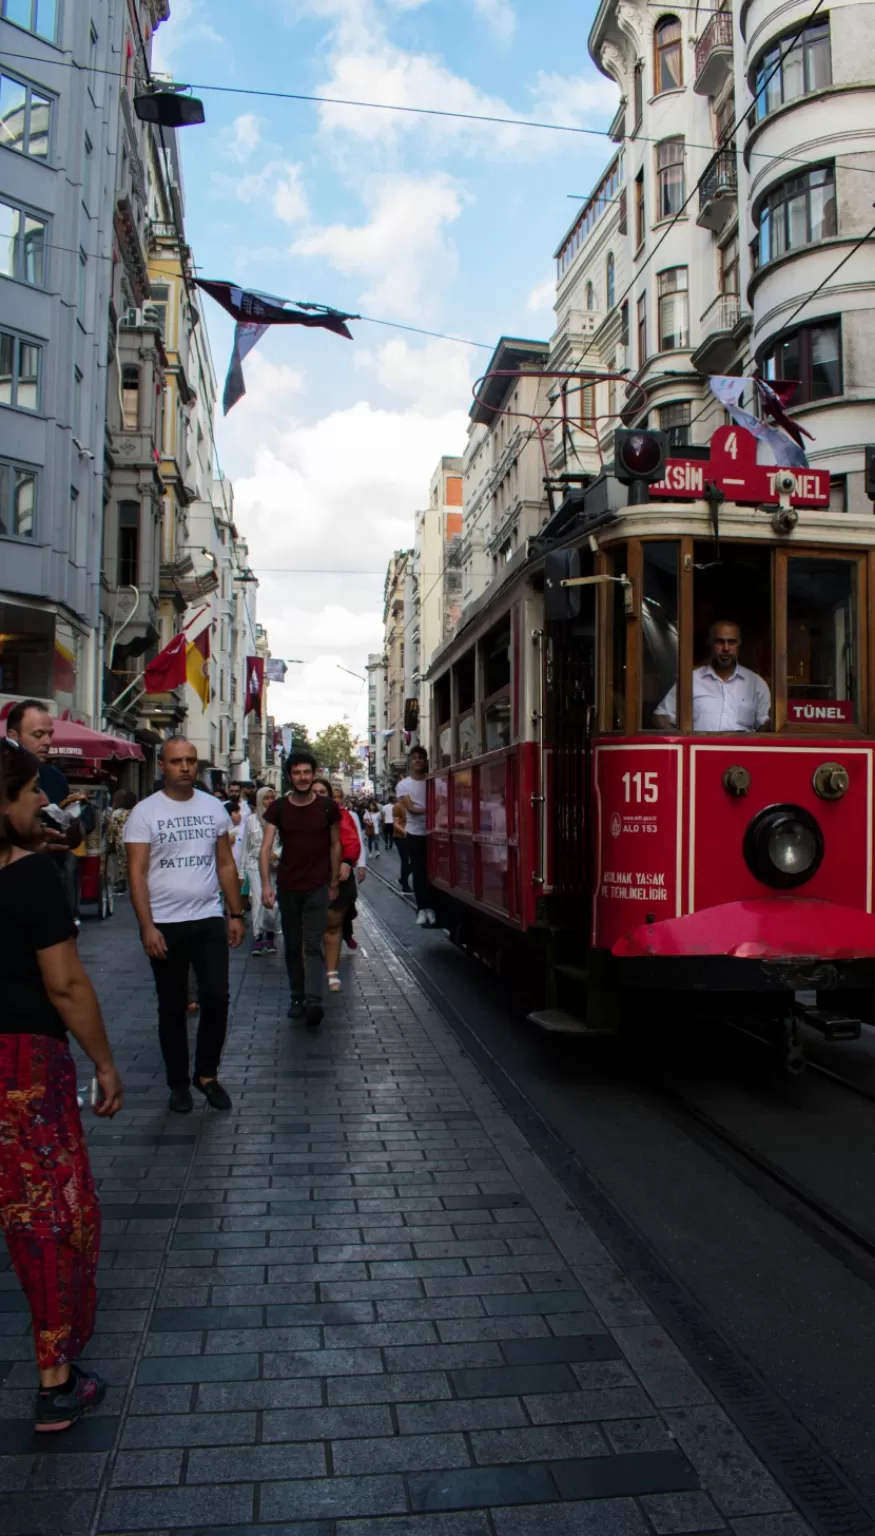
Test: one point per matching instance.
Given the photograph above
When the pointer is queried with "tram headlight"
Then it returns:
(783, 846)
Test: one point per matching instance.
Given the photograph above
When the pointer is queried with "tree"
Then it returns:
(334, 747)
(300, 734)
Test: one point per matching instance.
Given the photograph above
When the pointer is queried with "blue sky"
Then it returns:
(444, 225)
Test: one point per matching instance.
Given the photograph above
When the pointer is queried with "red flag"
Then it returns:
(254, 684)
(168, 668)
(774, 396)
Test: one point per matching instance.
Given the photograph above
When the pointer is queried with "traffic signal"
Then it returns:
(869, 451)
(639, 455)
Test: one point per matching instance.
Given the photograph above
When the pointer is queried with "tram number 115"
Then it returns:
(641, 787)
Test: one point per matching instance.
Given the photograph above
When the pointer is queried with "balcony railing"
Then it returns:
(718, 191)
(721, 316)
(714, 54)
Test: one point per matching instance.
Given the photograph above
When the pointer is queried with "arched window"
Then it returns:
(667, 57)
(610, 281)
(590, 296)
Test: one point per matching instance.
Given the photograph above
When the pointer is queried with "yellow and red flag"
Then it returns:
(197, 666)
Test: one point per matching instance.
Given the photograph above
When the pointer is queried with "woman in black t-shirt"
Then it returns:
(48, 1204)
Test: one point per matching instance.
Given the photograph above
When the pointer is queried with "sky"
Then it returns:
(432, 223)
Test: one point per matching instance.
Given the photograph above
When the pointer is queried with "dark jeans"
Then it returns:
(304, 916)
(388, 833)
(417, 853)
(404, 856)
(201, 946)
(373, 842)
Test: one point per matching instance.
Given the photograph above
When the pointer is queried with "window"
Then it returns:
(623, 212)
(158, 301)
(638, 87)
(78, 550)
(674, 309)
(24, 118)
(805, 68)
(19, 372)
(39, 16)
(128, 543)
(17, 501)
(659, 625)
(674, 421)
(587, 407)
(798, 212)
(590, 296)
(93, 62)
(22, 245)
(729, 266)
(667, 57)
(821, 639)
(642, 330)
(87, 167)
(130, 397)
(724, 120)
(495, 652)
(624, 323)
(610, 281)
(82, 291)
(812, 356)
(640, 227)
(669, 178)
(77, 403)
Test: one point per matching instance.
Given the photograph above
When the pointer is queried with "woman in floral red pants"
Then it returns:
(48, 1205)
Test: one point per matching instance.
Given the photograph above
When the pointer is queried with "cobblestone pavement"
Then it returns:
(358, 1305)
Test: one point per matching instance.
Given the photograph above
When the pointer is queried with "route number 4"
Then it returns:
(641, 786)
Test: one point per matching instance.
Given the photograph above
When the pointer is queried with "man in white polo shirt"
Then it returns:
(411, 794)
(726, 697)
(179, 867)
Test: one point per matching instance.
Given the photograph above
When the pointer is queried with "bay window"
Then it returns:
(667, 55)
(812, 355)
(798, 212)
(674, 309)
(669, 178)
(806, 67)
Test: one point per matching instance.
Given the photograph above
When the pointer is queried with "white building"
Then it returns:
(59, 143)
(436, 581)
(728, 231)
(376, 706)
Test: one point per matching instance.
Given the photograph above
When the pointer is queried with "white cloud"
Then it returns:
(240, 141)
(582, 101)
(402, 252)
(278, 186)
(500, 18)
(542, 297)
(188, 28)
(432, 379)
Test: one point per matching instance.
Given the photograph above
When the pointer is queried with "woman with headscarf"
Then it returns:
(265, 920)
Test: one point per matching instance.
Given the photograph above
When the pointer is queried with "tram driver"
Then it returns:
(726, 697)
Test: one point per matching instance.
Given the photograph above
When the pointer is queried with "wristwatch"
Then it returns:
(237, 917)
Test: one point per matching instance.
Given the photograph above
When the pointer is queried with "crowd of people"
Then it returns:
(192, 860)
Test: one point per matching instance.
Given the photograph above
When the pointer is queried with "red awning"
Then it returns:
(79, 744)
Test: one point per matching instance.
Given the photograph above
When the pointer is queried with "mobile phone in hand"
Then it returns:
(97, 1094)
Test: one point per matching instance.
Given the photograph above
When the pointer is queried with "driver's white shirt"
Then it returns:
(737, 703)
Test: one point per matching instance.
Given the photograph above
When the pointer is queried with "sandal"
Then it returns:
(334, 982)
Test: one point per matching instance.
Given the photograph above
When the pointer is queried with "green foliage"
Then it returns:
(300, 734)
(334, 747)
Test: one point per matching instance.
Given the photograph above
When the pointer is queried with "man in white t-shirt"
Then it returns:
(411, 794)
(179, 867)
(388, 823)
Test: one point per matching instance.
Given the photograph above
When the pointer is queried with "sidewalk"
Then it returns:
(359, 1305)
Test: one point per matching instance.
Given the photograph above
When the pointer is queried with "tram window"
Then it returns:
(441, 715)
(465, 683)
(496, 724)
(496, 659)
(821, 641)
(445, 746)
(737, 589)
(659, 626)
(617, 682)
(467, 736)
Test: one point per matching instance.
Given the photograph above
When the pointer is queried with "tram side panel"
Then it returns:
(638, 869)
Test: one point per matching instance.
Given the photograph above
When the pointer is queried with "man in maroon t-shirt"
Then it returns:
(307, 878)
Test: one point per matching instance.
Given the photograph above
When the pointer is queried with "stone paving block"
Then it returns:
(590, 1517)
(379, 1334)
(666, 1376)
(425, 1386)
(255, 1463)
(562, 1442)
(771, 1525)
(44, 1514)
(220, 1397)
(442, 1357)
(325, 1362)
(476, 1487)
(579, 1347)
(457, 1330)
(578, 1407)
(198, 1368)
(429, 1308)
(462, 1414)
(736, 1479)
(467, 1523)
(637, 1434)
(143, 1469)
(405, 1453)
(512, 1381)
(189, 1429)
(332, 1498)
(340, 1423)
(144, 1510)
(678, 1512)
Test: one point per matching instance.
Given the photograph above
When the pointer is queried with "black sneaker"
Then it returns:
(214, 1093)
(296, 1009)
(59, 1407)
(181, 1101)
(314, 1015)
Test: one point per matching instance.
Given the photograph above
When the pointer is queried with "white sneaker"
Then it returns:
(431, 916)
(422, 918)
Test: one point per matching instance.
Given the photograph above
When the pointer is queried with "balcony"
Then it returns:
(718, 191)
(714, 55)
(721, 325)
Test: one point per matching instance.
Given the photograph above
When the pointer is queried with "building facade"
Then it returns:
(436, 574)
(398, 610)
(62, 225)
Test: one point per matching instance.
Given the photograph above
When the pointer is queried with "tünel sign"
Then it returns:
(823, 712)
(733, 468)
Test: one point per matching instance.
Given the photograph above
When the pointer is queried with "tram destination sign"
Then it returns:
(732, 466)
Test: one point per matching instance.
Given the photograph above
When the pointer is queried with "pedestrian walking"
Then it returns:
(373, 820)
(399, 816)
(388, 823)
(411, 793)
(49, 1210)
(123, 802)
(340, 904)
(350, 912)
(265, 920)
(307, 879)
(180, 864)
(30, 725)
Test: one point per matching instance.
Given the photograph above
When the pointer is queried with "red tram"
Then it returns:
(593, 798)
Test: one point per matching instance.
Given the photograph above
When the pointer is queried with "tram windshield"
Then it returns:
(821, 641)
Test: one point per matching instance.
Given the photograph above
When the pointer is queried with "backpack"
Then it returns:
(350, 843)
